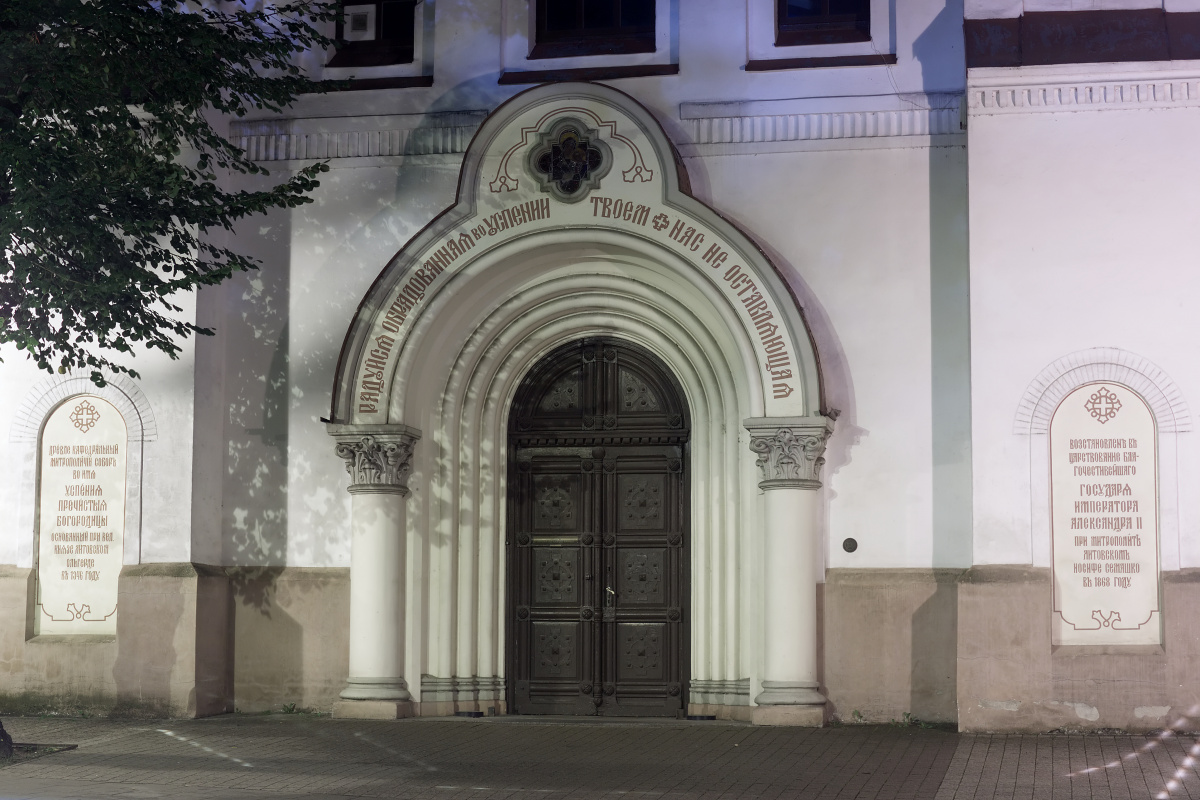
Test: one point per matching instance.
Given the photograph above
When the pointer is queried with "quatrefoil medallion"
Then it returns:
(568, 160)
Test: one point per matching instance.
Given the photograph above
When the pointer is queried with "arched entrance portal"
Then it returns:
(597, 535)
(432, 370)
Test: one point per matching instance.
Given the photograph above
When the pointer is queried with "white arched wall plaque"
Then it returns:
(500, 279)
(1171, 416)
(1104, 517)
(82, 478)
(25, 433)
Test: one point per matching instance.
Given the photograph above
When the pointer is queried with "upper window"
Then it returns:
(800, 22)
(568, 28)
(375, 33)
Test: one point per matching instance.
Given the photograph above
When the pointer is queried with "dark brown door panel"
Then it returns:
(597, 536)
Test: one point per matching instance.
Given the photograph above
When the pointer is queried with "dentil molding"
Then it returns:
(378, 458)
(1106, 87)
(790, 450)
(331, 138)
(819, 118)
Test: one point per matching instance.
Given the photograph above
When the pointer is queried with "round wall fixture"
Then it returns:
(849, 545)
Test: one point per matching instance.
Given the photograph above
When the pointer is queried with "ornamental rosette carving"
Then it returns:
(378, 462)
(790, 455)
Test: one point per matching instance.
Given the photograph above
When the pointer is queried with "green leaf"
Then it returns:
(102, 223)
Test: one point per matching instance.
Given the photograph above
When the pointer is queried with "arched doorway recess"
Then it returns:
(435, 357)
(597, 540)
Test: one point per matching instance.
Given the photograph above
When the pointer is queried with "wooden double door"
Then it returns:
(597, 536)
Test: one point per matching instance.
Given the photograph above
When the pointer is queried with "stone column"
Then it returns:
(790, 453)
(379, 460)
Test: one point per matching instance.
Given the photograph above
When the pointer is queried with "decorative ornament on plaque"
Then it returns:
(1103, 405)
(85, 416)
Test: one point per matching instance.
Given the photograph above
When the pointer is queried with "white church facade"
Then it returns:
(784, 362)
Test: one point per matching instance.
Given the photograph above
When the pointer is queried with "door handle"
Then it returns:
(609, 596)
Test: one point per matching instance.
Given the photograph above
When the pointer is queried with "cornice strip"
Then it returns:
(356, 137)
(1083, 96)
(816, 126)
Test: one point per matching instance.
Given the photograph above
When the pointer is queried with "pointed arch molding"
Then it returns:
(1059, 378)
(639, 228)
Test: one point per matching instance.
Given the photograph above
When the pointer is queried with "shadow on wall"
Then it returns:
(268, 643)
(934, 678)
(150, 619)
(254, 329)
(256, 393)
(934, 693)
(950, 388)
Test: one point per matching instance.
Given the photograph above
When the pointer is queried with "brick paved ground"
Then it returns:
(280, 756)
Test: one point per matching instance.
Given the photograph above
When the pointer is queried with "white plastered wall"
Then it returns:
(1082, 218)
(275, 491)
(162, 487)
(857, 235)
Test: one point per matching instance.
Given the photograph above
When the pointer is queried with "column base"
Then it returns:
(794, 716)
(392, 689)
(721, 711)
(785, 693)
(373, 709)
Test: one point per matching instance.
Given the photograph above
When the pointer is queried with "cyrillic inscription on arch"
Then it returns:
(1104, 517)
(598, 171)
(81, 517)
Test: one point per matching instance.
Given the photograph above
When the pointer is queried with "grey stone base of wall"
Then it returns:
(192, 641)
(940, 645)
(169, 658)
(1011, 678)
(890, 644)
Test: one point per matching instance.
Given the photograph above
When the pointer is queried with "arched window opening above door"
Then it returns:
(601, 390)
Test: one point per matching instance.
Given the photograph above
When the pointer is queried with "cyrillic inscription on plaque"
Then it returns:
(1104, 514)
(82, 517)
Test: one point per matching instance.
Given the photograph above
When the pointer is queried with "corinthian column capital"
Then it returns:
(790, 450)
(378, 457)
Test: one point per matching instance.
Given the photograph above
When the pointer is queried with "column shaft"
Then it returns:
(790, 663)
(377, 597)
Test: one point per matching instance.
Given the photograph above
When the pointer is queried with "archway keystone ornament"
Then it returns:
(573, 219)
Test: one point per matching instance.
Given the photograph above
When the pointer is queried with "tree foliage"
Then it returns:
(109, 163)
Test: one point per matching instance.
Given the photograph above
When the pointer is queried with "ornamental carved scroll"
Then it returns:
(790, 456)
(379, 462)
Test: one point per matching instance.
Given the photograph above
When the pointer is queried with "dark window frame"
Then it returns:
(581, 41)
(379, 52)
(827, 28)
